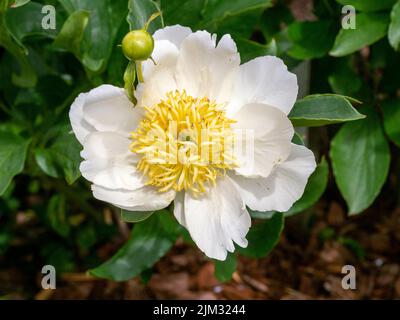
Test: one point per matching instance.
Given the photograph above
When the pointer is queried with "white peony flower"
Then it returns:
(197, 84)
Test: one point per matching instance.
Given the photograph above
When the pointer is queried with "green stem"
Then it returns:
(139, 71)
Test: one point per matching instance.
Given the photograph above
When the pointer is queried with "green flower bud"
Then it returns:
(137, 45)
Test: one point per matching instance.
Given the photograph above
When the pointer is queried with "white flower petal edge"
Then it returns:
(264, 134)
(80, 127)
(179, 207)
(207, 69)
(165, 54)
(215, 220)
(283, 187)
(174, 34)
(105, 108)
(146, 198)
(264, 80)
(109, 162)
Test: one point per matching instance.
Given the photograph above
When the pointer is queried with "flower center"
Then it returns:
(185, 143)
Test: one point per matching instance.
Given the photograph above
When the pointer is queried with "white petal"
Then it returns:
(146, 198)
(79, 125)
(158, 79)
(165, 55)
(109, 162)
(265, 80)
(179, 207)
(216, 219)
(264, 134)
(204, 69)
(283, 187)
(106, 108)
(174, 34)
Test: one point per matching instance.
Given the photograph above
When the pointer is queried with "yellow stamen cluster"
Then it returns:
(185, 143)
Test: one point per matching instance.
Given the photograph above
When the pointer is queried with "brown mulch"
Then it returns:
(305, 265)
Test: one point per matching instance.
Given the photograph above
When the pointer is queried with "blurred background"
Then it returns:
(349, 216)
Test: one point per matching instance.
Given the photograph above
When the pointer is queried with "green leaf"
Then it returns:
(316, 186)
(263, 237)
(298, 139)
(58, 255)
(146, 275)
(150, 240)
(273, 18)
(284, 44)
(133, 217)
(140, 11)
(62, 158)
(360, 160)
(368, 5)
(13, 150)
(394, 27)
(239, 20)
(370, 28)
(238, 26)
(67, 150)
(391, 120)
(185, 13)
(19, 3)
(26, 21)
(225, 269)
(56, 214)
(71, 34)
(99, 36)
(344, 80)
(46, 161)
(27, 76)
(250, 49)
(217, 10)
(311, 39)
(86, 236)
(354, 246)
(261, 214)
(117, 63)
(323, 109)
(61, 90)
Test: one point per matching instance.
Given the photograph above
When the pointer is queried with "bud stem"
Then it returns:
(139, 71)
